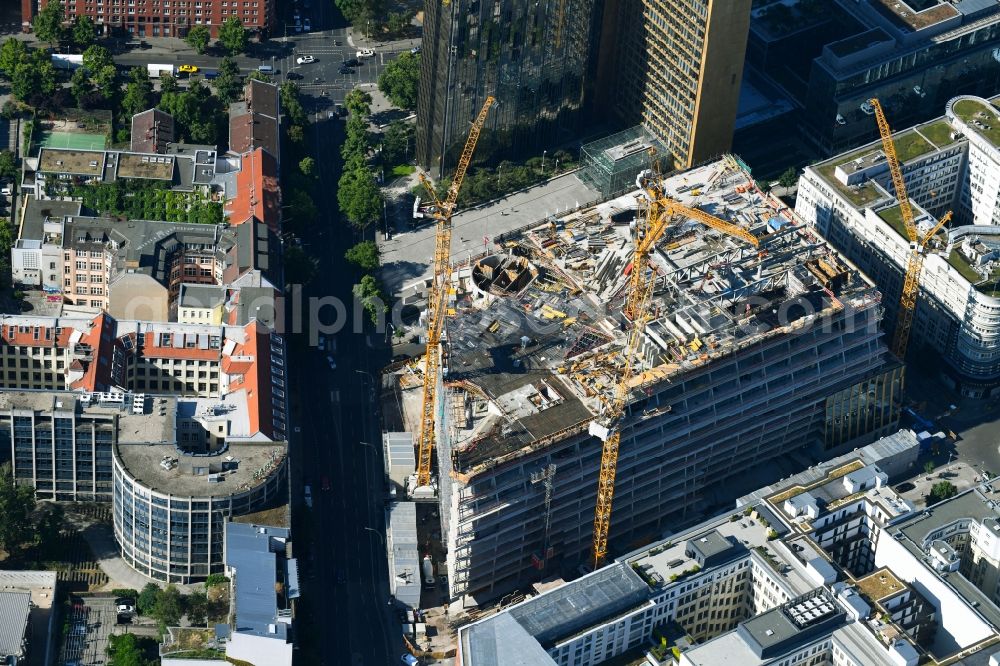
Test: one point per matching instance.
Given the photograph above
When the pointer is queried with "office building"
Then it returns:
(678, 72)
(536, 60)
(914, 55)
(152, 18)
(753, 353)
(951, 163)
(768, 584)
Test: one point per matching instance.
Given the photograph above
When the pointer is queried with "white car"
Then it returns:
(305, 59)
(366, 53)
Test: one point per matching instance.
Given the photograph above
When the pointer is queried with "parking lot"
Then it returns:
(92, 620)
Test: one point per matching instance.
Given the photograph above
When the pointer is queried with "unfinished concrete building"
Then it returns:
(754, 355)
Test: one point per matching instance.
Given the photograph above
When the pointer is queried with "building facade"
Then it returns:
(680, 63)
(951, 163)
(163, 18)
(536, 59)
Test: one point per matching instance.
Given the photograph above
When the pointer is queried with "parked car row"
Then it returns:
(300, 21)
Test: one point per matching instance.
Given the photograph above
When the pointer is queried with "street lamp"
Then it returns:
(499, 169)
(543, 161)
(376, 533)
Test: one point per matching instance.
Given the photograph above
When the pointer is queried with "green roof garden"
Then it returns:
(970, 110)
(894, 217)
(990, 286)
(938, 133)
(909, 144)
(860, 195)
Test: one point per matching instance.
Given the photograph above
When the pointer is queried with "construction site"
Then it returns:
(755, 351)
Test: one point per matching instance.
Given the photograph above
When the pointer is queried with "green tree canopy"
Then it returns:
(8, 165)
(303, 210)
(196, 607)
(169, 606)
(299, 267)
(396, 143)
(307, 166)
(126, 650)
(34, 77)
(358, 102)
(400, 80)
(229, 82)
(48, 23)
(12, 53)
(359, 197)
(138, 92)
(16, 506)
(96, 58)
(789, 177)
(84, 32)
(364, 254)
(233, 35)
(941, 491)
(146, 600)
(371, 297)
(198, 38)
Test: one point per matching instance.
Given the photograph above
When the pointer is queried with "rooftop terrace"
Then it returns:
(915, 14)
(243, 466)
(980, 117)
(536, 338)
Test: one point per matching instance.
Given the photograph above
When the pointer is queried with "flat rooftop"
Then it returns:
(243, 466)
(915, 15)
(155, 167)
(981, 117)
(76, 162)
(542, 341)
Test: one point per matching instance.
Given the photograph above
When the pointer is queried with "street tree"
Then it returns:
(299, 266)
(198, 38)
(258, 75)
(168, 84)
(364, 255)
(229, 82)
(84, 32)
(296, 134)
(371, 297)
(359, 197)
(96, 58)
(396, 143)
(302, 209)
(34, 78)
(358, 102)
(12, 53)
(81, 88)
(929, 466)
(400, 80)
(789, 177)
(196, 607)
(233, 35)
(307, 166)
(138, 92)
(146, 600)
(357, 141)
(48, 23)
(397, 22)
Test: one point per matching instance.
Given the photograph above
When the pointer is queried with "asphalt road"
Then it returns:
(347, 612)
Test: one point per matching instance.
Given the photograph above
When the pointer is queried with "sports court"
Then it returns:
(71, 140)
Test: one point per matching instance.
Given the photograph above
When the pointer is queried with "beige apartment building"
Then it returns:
(680, 63)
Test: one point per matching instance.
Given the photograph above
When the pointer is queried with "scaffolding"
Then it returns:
(611, 164)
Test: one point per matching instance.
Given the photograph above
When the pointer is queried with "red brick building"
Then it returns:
(164, 18)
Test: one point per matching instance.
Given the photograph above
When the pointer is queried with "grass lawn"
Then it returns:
(969, 110)
(895, 220)
(939, 133)
(959, 263)
(403, 169)
(910, 145)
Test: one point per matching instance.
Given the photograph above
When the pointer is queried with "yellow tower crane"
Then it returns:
(437, 298)
(655, 217)
(918, 243)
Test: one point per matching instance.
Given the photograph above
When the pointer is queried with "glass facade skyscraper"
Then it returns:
(538, 59)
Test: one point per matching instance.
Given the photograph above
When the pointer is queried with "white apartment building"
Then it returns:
(951, 163)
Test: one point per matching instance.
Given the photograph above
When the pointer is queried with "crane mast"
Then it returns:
(656, 214)
(918, 243)
(437, 297)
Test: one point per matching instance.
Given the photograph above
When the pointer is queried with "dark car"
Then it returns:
(905, 487)
(352, 62)
(340, 110)
(293, 76)
(344, 69)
